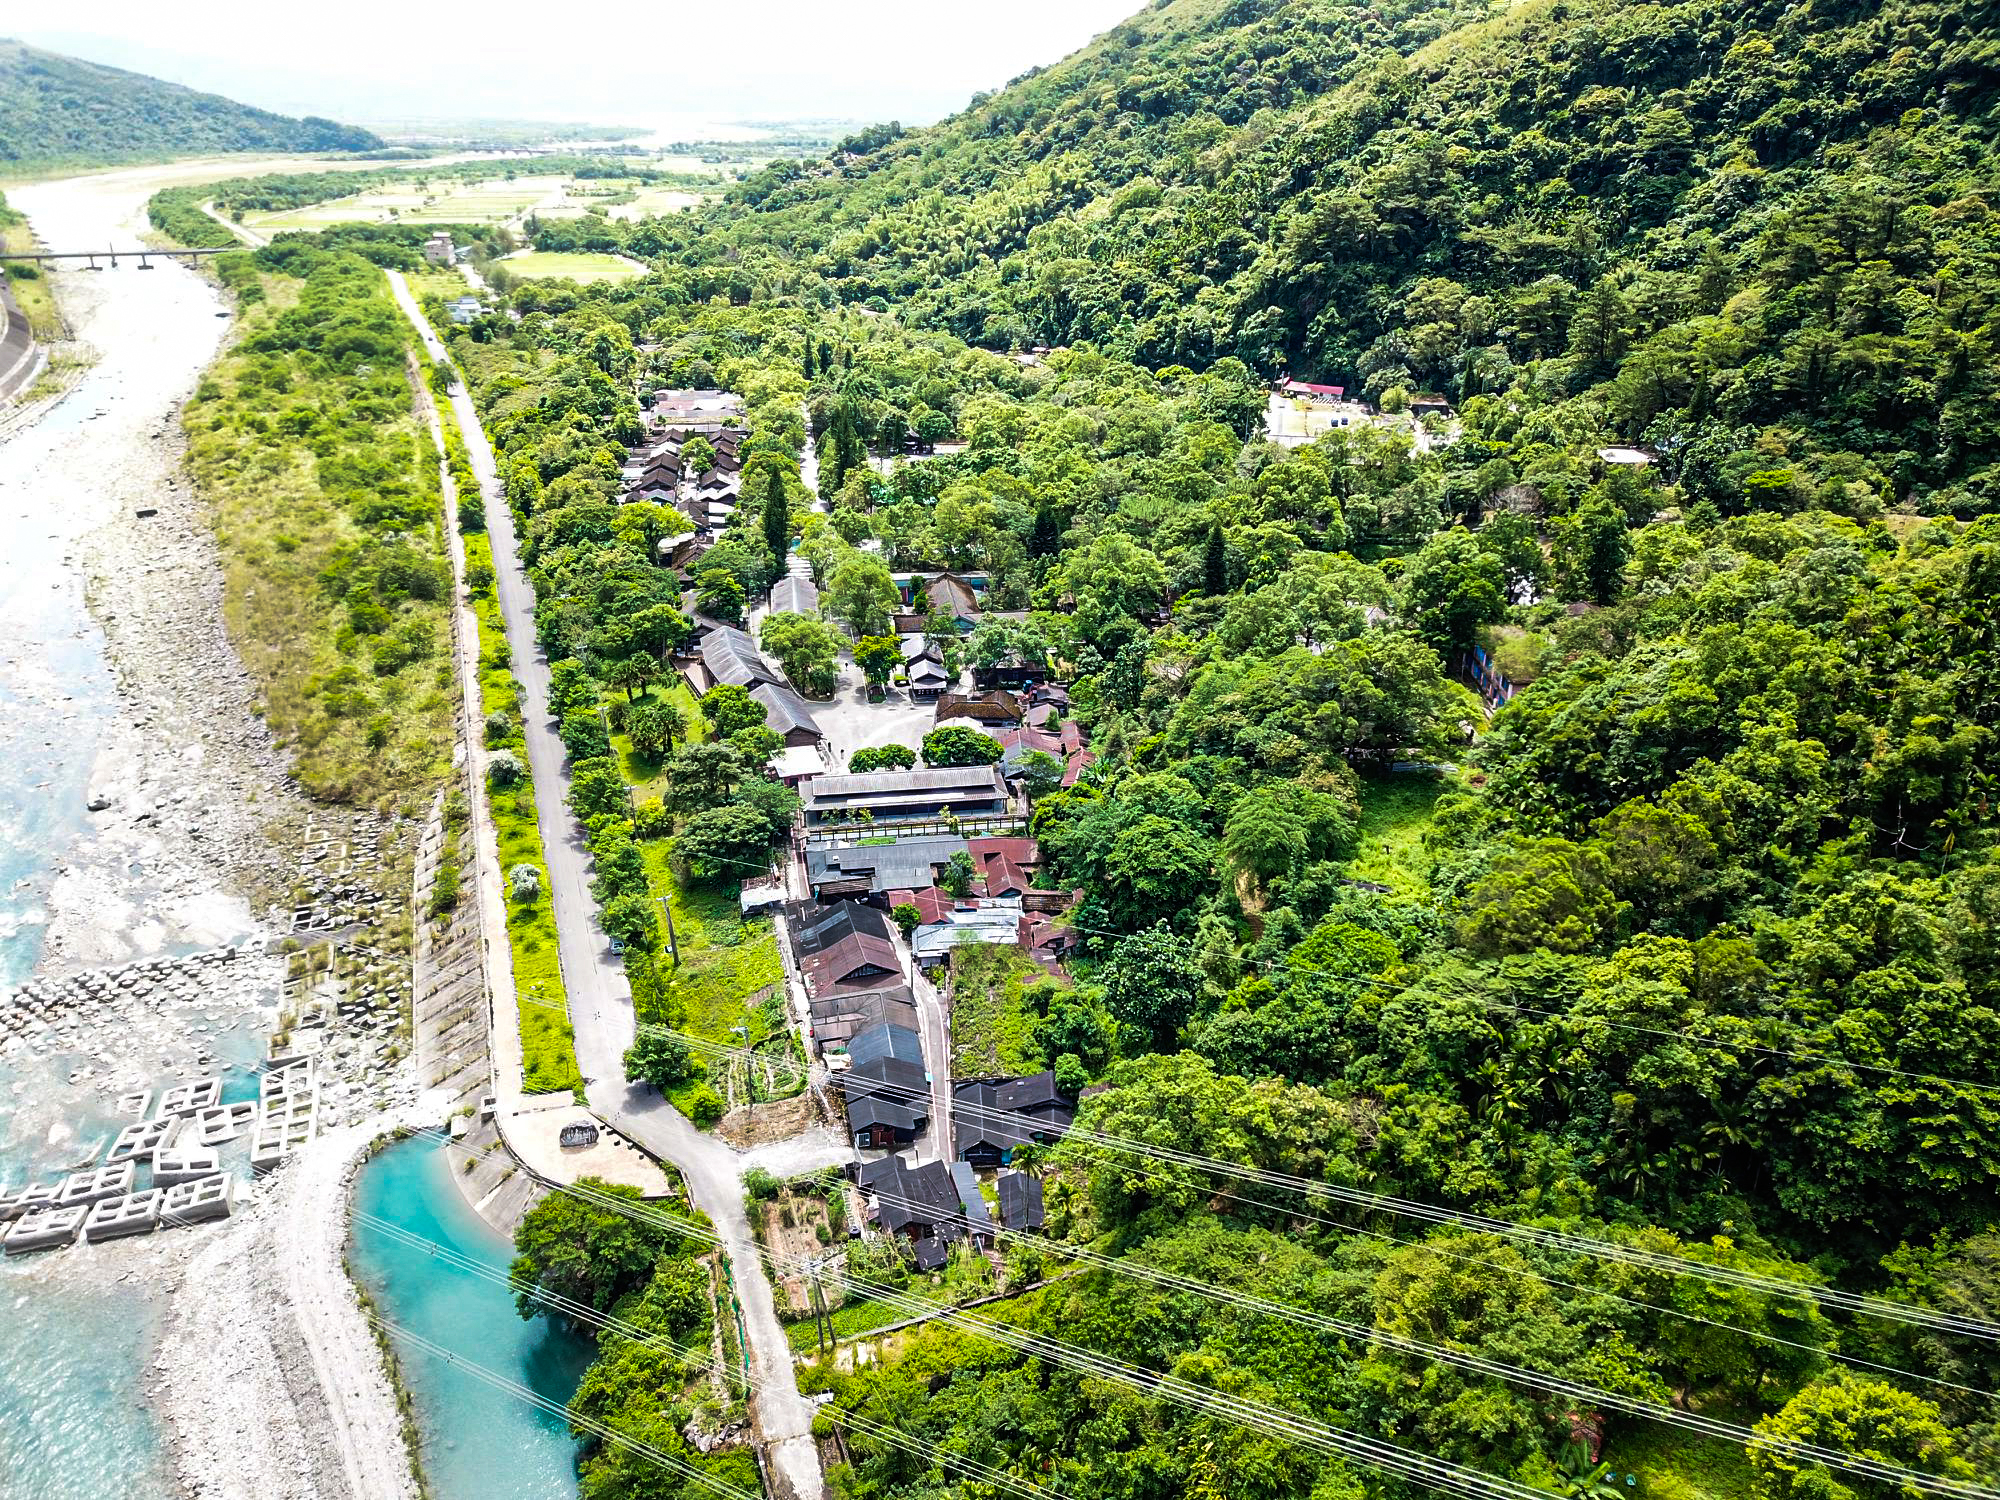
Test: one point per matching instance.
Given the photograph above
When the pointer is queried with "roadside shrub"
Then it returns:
(524, 883)
(504, 769)
(704, 1106)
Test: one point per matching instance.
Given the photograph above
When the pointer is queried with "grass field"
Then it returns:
(548, 1044)
(992, 1030)
(540, 265)
(496, 201)
(1396, 812)
(724, 958)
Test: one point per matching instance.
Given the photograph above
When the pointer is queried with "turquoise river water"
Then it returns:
(479, 1443)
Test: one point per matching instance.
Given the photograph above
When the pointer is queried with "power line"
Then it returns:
(534, 1398)
(1479, 1364)
(1384, 1457)
(1537, 1273)
(1465, 992)
(608, 1322)
(1575, 1244)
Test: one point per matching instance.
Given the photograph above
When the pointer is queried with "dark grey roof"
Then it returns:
(784, 710)
(971, 1200)
(815, 927)
(911, 1196)
(1007, 1112)
(1035, 1093)
(886, 1041)
(731, 656)
(931, 1254)
(940, 779)
(890, 1076)
(1021, 1205)
(873, 1109)
(906, 864)
(794, 594)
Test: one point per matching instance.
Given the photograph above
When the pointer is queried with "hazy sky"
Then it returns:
(912, 60)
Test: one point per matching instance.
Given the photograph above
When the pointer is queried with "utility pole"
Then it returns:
(672, 947)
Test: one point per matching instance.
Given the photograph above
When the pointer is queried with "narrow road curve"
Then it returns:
(601, 1001)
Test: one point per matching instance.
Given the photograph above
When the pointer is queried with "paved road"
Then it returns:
(601, 1001)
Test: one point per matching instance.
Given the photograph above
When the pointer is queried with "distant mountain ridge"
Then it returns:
(58, 109)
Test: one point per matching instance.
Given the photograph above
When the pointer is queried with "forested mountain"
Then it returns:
(63, 109)
(1699, 220)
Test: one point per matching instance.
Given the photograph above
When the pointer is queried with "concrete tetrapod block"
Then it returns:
(184, 1164)
(198, 1202)
(140, 1142)
(45, 1229)
(287, 1108)
(116, 1218)
(26, 1200)
(297, 1076)
(275, 1140)
(81, 1189)
(214, 1127)
(191, 1098)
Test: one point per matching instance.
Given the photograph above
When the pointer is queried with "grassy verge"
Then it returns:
(548, 1045)
(1396, 813)
(31, 287)
(322, 487)
(645, 773)
(992, 1027)
(724, 958)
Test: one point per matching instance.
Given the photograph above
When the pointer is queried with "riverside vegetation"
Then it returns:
(1691, 951)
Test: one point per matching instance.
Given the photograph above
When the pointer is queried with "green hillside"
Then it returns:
(1695, 218)
(62, 109)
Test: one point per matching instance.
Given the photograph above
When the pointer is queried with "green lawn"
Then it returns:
(1396, 813)
(494, 201)
(540, 265)
(548, 1045)
(992, 1028)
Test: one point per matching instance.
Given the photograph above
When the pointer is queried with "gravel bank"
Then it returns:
(267, 1377)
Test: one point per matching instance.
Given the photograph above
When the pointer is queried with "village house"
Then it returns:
(728, 655)
(870, 871)
(1021, 1204)
(1319, 395)
(852, 974)
(887, 796)
(887, 1088)
(996, 707)
(948, 594)
(975, 921)
(795, 594)
(920, 1203)
(991, 1117)
(439, 250)
(923, 665)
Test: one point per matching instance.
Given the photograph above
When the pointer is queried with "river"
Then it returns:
(479, 1442)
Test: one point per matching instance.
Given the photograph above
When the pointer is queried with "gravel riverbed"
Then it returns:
(189, 836)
